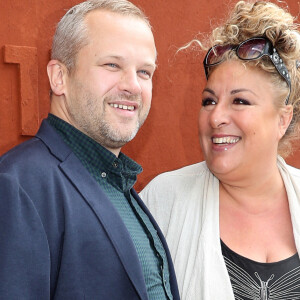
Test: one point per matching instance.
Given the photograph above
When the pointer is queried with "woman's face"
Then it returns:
(239, 125)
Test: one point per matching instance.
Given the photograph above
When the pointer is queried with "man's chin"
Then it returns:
(120, 140)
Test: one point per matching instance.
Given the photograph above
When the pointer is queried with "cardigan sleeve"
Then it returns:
(24, 251)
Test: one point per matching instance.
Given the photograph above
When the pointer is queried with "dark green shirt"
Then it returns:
(116, 176)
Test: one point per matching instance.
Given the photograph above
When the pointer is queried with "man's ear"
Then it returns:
(286, 115)
(57, 73)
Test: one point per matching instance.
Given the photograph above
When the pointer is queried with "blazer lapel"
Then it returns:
(110, 219)
(99, 203)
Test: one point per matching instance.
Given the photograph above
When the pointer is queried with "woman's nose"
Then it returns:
(219, 116)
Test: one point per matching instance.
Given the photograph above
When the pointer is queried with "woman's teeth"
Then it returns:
(225, 140)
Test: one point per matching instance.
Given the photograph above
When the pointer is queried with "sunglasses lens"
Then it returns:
(251, 49)
(215, 54)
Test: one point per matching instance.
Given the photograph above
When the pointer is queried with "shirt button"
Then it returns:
(103, 174)
(115, 165)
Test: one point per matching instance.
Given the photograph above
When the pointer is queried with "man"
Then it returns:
(71, 226)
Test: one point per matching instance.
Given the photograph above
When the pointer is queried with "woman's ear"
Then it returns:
(57, 73)
(286, 115)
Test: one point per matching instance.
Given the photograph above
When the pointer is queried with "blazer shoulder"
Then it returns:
(30, 154)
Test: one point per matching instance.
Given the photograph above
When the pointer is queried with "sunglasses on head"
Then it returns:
(251, 49)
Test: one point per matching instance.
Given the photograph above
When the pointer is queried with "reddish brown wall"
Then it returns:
(168, 140)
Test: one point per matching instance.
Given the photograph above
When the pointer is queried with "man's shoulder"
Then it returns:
(30, 153)
(35, 160)
(45, 149)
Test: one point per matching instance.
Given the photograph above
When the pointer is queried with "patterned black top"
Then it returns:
(253, 280)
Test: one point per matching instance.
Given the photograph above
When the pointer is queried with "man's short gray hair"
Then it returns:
(71, 31)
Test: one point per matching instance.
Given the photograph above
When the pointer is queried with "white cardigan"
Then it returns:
(185, 203)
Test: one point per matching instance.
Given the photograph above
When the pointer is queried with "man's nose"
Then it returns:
(130, 83)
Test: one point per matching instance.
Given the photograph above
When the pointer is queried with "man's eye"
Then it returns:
(145, 73)
(208, 101)
(240, 101)
(112, 65)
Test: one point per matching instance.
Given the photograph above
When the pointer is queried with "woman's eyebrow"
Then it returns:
(242, 90)
(209, 91)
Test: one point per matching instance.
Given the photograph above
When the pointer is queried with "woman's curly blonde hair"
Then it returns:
(255, 19)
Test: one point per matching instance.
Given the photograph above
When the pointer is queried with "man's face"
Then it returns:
(108, 95)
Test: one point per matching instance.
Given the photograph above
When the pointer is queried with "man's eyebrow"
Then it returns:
(117, 57)
(153, 66)
(120, 58)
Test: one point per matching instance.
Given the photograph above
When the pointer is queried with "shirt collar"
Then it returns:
(93, 155)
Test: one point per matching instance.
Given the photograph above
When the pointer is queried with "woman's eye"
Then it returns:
(208, 101)
(240, 101)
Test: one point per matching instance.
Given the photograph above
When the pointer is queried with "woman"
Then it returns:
(233, 222)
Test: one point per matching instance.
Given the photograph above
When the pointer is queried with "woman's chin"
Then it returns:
(222, 166)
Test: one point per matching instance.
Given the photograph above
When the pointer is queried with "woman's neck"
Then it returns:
(254, 193)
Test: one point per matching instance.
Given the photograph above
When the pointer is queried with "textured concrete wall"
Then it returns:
(168, 139)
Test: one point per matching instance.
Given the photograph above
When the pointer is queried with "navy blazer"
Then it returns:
(60, 236)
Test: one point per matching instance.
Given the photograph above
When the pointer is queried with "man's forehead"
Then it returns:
(97, 15)
(113, 30)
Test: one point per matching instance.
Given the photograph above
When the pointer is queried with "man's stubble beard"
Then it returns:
(91, 122)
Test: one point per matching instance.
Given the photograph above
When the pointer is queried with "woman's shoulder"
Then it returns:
(176, 194)
(185, 173)
(177, 185)
(292, 171)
